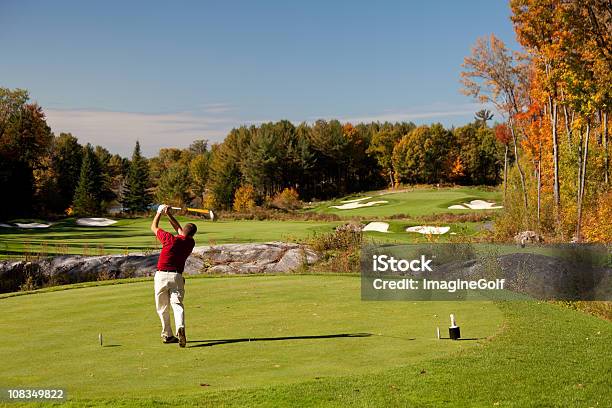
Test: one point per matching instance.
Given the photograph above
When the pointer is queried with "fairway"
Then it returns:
(417, 202)
(134, 235)
(301, 328)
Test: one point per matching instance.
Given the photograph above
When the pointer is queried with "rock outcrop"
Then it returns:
(271, 257)
(528, 237)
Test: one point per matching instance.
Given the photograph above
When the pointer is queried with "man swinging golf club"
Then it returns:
(169, 281)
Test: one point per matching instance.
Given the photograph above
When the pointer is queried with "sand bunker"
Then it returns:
(355, 200)
(31, 225)
(377, 226)
(353, 205)
(476, 205)
(428, 229)
(95, 222)
(5, 225)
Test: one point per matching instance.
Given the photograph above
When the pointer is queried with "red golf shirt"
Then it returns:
(175, 250)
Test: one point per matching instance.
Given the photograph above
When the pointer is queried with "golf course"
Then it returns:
(299, 340)
(411, 202)
(276, 204)
(128, 235)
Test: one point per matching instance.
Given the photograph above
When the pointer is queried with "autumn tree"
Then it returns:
(225, 174)
(382, 146)
(244, 198)
(25, 141)
(422, 155)
(495, 75)
(571, 46)
(479, 154)
(502, 134)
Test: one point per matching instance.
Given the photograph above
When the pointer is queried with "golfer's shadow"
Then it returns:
(208, 343)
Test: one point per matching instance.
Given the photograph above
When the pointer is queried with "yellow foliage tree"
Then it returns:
(288, 199)
(457, 169)
(244, 198)
(596, 226)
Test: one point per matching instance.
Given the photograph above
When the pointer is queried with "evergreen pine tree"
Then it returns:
(87, 194)
(135, 195)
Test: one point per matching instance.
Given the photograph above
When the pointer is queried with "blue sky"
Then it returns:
(167, 73)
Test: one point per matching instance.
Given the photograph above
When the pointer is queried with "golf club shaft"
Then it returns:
(198, 210)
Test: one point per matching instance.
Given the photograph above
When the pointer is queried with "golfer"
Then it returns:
(169, 281)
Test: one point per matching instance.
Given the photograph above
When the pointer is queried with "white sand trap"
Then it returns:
(355, 200)
(476, 205)
(5, 225)
(377, 226)
(428, 229)
(31, 225)
(95, 222)
(352, 206)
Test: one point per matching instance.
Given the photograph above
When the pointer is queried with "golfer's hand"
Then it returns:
(162, 209)
(167, 210)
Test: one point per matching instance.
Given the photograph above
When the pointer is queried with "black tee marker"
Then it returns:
(453, 331)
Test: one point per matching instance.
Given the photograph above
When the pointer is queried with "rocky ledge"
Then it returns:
(270, 257)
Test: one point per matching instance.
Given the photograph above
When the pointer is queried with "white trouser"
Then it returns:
(169, 289)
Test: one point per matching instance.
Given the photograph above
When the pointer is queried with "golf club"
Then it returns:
(210, 213)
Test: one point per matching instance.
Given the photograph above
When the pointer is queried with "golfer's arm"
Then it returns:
(175, 224)
(155, 223)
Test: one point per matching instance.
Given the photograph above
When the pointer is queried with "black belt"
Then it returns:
(162, 270)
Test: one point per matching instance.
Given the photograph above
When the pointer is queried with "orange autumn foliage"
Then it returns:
(597, 221)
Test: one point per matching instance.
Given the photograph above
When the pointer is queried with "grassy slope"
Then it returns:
(134, 235)
(545, 356)
(415, 202)
(50, 338)
(130, 235)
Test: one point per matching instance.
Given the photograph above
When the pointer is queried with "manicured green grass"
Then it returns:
(301, 328)
(543, 355)
(416, 202)
(132, 235)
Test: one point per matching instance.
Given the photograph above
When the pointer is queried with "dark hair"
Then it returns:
(190, 229)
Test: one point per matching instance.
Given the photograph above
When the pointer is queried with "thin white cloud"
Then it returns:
(442, 112)
(416, 115)
(118, 131)
(217, 108)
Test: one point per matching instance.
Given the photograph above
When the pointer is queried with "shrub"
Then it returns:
(288, 199)
(341, 238)
(244, 198)
(210, 201)
(596, 224)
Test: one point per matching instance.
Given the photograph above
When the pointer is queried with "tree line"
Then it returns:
(330, 158)
(49, 174)
(556, 99)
